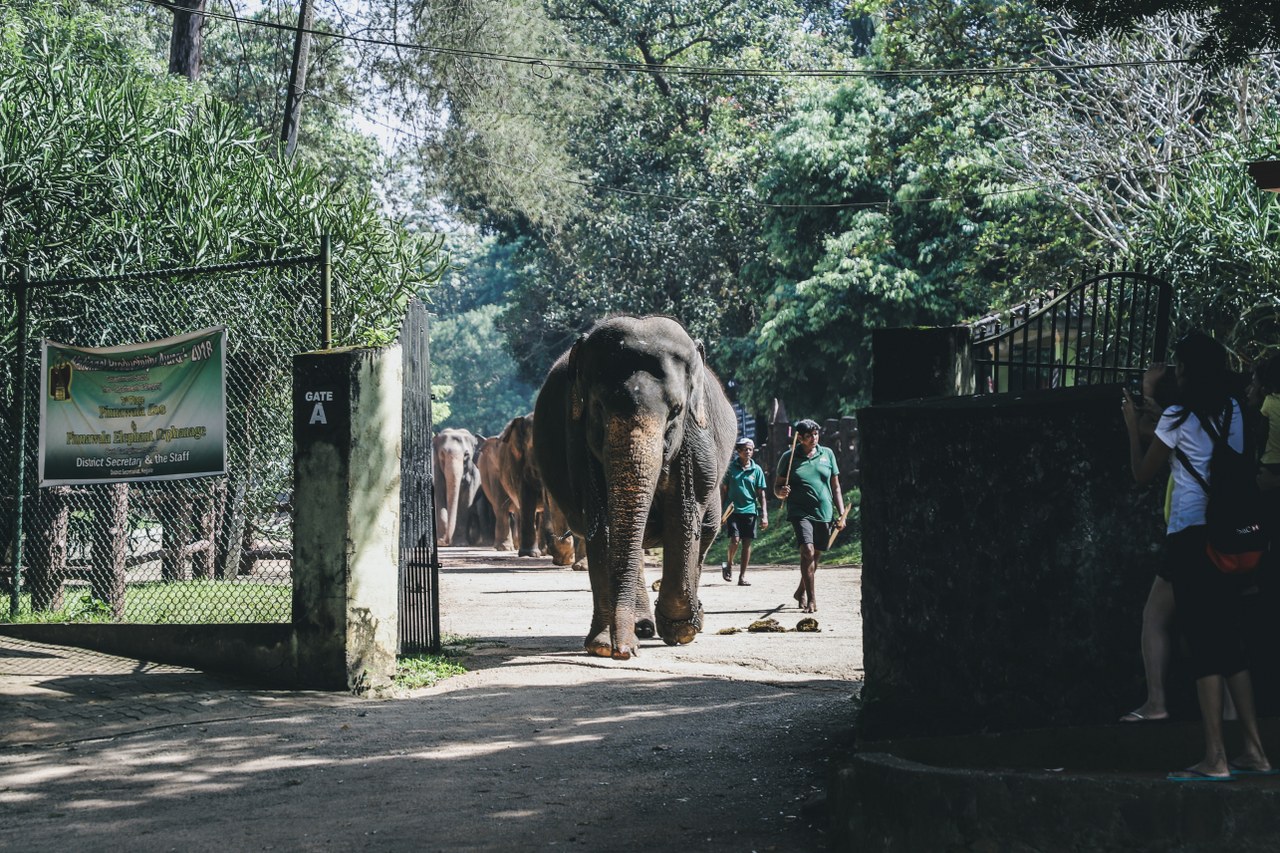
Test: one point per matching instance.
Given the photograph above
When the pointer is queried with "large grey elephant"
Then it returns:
(457, 485)
(632, 432)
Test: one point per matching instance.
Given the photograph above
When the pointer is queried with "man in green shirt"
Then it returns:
(808, 479)
(743, 486)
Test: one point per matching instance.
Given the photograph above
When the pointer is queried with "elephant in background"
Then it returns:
(510, 481)
(457, 487)
(632, 433)
(565, 546)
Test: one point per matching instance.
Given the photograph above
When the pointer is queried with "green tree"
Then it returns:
(899, 214)
(1216, 242)
(470, 354)
(109, 165)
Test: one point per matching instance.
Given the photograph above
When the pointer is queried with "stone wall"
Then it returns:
(1007, 556)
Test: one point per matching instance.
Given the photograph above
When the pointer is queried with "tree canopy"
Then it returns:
(1233, 29)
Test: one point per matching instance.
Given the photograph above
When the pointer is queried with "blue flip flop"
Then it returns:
(1246, 771)
(1193, 775)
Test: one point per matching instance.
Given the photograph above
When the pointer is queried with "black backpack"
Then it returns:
(1237, 539)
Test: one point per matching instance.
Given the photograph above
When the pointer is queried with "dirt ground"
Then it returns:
(721, 745)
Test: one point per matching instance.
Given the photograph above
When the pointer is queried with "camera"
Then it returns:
(1134, 386)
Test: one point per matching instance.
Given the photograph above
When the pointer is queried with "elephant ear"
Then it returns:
(698, 388)
(576, 404)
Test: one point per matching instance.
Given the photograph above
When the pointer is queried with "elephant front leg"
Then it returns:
(679, 612)
(599, 640)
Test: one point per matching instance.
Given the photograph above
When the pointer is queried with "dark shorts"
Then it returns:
(743, 526)
(1211, 605)
(810, 532)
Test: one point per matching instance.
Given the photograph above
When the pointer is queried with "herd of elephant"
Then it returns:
(489, 493)
(624, 450)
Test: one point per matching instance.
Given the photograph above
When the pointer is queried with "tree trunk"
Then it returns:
(184, 45)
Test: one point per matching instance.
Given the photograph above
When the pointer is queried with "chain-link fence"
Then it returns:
(208, 549)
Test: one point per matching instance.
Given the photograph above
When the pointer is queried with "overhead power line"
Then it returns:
(591, 65)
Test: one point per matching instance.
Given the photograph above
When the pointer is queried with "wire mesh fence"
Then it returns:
(206, 549)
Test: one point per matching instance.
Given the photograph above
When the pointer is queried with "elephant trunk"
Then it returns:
(453, 484)
(633, 464)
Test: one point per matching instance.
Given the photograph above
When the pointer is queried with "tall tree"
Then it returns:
(1231, 30)
(1123, 117)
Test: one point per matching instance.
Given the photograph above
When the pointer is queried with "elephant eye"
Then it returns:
(676, 410)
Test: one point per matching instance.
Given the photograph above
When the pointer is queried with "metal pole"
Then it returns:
(20, 466)
(326, 297)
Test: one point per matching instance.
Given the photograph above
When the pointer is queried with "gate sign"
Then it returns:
(152, 411)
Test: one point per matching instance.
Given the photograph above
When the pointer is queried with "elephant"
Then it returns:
(632, 433)
(510, 481)
(457, 486)
(565, 546)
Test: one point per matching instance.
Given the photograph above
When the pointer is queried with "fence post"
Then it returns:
(326, 296)
(20, 463)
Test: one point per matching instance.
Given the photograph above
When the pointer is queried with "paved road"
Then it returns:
(719, 745)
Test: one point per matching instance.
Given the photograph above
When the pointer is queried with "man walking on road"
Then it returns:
(808, 479)
(744, 485)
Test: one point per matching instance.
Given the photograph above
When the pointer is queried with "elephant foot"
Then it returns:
(580, 566)
(680, 631)
(598, 644)
(644, 629)
(623, 653)
(530, 552)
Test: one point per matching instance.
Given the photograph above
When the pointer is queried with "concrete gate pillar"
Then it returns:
(346, 425)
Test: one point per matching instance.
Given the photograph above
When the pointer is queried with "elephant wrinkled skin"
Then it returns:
(510, 481)
(457, 487)
(632, 432)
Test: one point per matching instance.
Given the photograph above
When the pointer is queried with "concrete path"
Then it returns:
(722, 745)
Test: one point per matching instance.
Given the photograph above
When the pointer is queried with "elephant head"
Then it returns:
(632, 433)
(457, 481)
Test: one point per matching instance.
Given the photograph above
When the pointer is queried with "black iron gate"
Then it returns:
(1106, 329)
(419, 560)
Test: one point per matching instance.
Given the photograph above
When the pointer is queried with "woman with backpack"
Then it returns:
(1207, 599)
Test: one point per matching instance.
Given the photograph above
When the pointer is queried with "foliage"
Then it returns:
(413, 671)
(898, 213)
(1216, 242)
(248, 66)
(468, 352)
(127, 169)
(1111, 140)
(1233, 29)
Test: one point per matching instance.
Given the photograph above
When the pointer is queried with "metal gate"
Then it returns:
(1106, 329)
(419, 560)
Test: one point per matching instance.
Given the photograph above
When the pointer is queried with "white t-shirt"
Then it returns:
(1189, 499)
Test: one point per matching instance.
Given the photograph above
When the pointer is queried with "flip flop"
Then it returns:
(1249, 771)
(1192, 775)
(744, 583)
(1139, 717)
(726, 572)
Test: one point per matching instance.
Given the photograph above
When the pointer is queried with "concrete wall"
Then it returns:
(1007, 556)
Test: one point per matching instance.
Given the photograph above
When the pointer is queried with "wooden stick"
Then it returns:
(836, 532)
(791, 460)
(728, 512)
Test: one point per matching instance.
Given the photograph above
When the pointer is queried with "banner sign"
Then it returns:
(152, 411)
